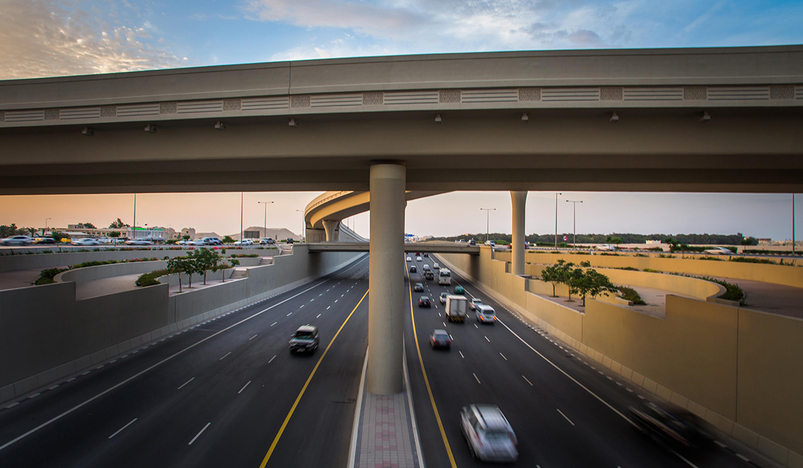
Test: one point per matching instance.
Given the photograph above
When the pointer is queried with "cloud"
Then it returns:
(53, 38)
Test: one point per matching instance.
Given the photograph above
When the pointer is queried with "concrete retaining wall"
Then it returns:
(45, 334)
(738, 369)
(42, 261)
(83, 275)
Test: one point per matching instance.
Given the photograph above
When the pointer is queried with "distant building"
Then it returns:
(653, 242)
(187, 232)
(251, 234)
(764, 241)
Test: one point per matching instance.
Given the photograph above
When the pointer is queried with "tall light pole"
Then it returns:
(303, 226)
(265, 226)
(241, 219)
(487, 221)
(574, 223)
(44, 233)
(556, 219)
(135, 213)
(793, 224)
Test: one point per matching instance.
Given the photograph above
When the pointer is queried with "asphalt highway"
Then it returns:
(566, 411)
(224, 393)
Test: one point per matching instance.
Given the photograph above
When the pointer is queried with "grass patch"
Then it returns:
(149, 279)
(628, 268)
(716, 259)
(752, 260)
(650, 270)
(243, 255)
(630, 294)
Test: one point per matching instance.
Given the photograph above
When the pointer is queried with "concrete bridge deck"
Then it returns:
(363, 247)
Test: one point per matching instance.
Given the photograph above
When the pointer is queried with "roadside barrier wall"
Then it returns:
(738, 369)
(46, 334)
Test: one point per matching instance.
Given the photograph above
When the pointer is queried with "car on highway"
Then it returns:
(669, 425)
(491, 243)
(426, 267)
(289, 241)
(718, 251)
(413, 269)
(266, 241)
(44, 240)
(17, 240)
(485, 313)
(474, 303)
(244, 242)
(440, 339)
(443, 297)
(305, 339)
(489, 435)
(196, 242)
(435, 266)
(418, 287)
(429, 275)
(472, 242)
(85, 241)
(606, 247)
(418, 259)
(459, 290)
(409, 259)
(138, 242)
(426, 254)
(424, 301)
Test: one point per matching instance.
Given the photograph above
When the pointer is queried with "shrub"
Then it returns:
(716, 259)
(752, 260)
(641, 255)
(46, 276)
(630, 294)
(149, 279)
(243, 255)
(628, 268)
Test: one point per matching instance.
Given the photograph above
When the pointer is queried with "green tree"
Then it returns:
(614, 240)
(86, 225)
(186, 265)
(228, 240)
(206, 259)
(224, 266)
(557, 274)
(117, 224)
(58, 236)
(589, 282)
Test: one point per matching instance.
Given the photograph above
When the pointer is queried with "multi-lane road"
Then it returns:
(228, 393)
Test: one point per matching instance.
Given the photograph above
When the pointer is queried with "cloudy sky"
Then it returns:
(69, 37)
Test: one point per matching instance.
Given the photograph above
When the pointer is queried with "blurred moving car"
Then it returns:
(423, 301)
(485, 314)
(418, 287)
(718, 251)
(459, 290)
(426, 254)
(85, 241)
(44, 240)
(474, 303)
(266, 241)
(443, 297)
(138, 242)
(669, 425)
(413, 269)
(289, 241)
(18, 240)
(489, 435)
(244, 242)
(429, 275)
(305, 339)
(440, 339)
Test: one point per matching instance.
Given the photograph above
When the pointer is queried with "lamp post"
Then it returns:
(487, 221)
(793, 224)
(303, 226)
(241, 219)
(556, 219)
(574, 223)
(44, 233)
(265, 226)
(135, 212)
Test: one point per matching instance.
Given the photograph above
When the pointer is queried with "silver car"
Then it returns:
(17, 240)
(485, 313)
(488, 433)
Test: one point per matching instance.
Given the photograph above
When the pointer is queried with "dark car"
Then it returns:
(418, 287)
(423, 301)
(289, 241)
(413, 269)
(305, 339)
(426, 254)
(440, 339)
(44, 240)
(668, 425)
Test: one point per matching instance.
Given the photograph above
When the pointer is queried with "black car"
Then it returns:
(413, 269)
(45, 240)
(669, 425)
(305, 339)
(423, 301)
(418, 287)
(426, 254)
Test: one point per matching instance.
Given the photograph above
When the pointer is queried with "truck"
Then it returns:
(456, 308)
(444, 277)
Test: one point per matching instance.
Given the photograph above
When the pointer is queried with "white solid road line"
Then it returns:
(271, 359)
(561, 413)
(121, 429)
(478, 379)
(249, 339)
(199, 434)
(224, 356)
(528, 381)
(503, 356)
(241, 390)
(185, 383)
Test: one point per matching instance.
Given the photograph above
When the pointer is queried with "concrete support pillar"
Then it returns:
(386, 278)
(330, 226)
(315, 235)
(519, 200)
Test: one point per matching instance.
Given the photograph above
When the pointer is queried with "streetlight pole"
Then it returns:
(241, 219)
(265, 226)
(574, 223)
(135, 213)
(556, 219)
(793, 224)
(487, 221)
(44, 233)
(303, 226)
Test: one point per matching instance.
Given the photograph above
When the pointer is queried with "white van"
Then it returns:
(445, 277)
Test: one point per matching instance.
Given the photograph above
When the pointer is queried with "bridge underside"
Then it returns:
(364, 247)
(738, 150)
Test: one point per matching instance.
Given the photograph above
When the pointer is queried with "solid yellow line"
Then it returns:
(303, 389)
(426, 380)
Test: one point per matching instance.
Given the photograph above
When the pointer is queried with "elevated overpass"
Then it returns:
(445, 247)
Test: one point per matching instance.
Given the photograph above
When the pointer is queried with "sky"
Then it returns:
(76, 37)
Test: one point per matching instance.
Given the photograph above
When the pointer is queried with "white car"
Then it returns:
(435, 266)
(488, 433)
(409, 259)
(85, 241)
(18, 240)
(417, 259)
(474, 303)
(244, 242)
(196, 242)
(718, 251)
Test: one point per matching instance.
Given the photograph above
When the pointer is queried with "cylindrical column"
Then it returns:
(386, 278)
(330, 226)
(519, 200)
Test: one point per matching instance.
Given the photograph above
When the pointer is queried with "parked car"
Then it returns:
(44, 240)
(305, 339)
(244, 242)
(418, 287)
(266, 241)
(423, 301)
(443, 297)
(474, 303)
(139, 242)
(85, 241)
(413, 269)
(18, 240)
(489, 435)
(485, 313)
(440, 339)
